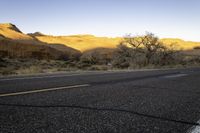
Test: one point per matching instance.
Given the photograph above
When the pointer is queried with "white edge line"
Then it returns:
(7, 79)
(55, 76)
(76, 74)
(42, 90)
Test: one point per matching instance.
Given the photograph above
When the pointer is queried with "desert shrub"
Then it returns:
(98, 56)
(141, 51)
(98, 67)
(7, 72)
(83, 65)
(2, 62)
(197, 47)
(122, 56)
(29, 70)
(29, 66)
(192, 60)
(89, 58)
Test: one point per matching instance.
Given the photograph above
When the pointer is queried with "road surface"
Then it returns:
(156, 101)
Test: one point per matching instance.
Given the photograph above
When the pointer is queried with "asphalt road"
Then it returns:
(157, 101)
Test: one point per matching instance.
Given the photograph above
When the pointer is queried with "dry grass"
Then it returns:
(180, 44)
(82, 42)
(33, 66)
(87, 42)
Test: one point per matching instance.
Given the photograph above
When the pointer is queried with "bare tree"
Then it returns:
(148, 44)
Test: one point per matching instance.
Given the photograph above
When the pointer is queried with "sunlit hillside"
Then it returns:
(79, 42)
(82, 42)
(180, 44)
(15, 44)
(87, 42)
(84, 52)
(12, 32)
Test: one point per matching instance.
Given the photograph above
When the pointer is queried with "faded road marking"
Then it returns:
(42, 90)
(55, 76)
(175, 75)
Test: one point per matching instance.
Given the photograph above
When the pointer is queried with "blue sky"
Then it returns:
(165, 18)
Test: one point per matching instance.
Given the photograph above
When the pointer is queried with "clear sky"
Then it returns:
(165, 18)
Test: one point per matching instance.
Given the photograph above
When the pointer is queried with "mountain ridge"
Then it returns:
(82, 42)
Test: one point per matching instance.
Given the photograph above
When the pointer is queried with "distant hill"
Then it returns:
(77, 43)
(81, 42)
(35, 34)
(15, 44)
(180, 44)
(87, 42)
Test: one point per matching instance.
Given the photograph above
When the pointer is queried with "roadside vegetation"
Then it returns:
(144, 51)
(133, 52)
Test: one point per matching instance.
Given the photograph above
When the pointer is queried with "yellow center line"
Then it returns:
(42, 90)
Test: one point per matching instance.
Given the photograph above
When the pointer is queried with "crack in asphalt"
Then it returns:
(113, 109)
(102, 109)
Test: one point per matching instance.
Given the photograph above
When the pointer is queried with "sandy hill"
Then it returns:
(81, 42)
(180, 44)
(14, 43)
(87, 42)
(78, 42)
